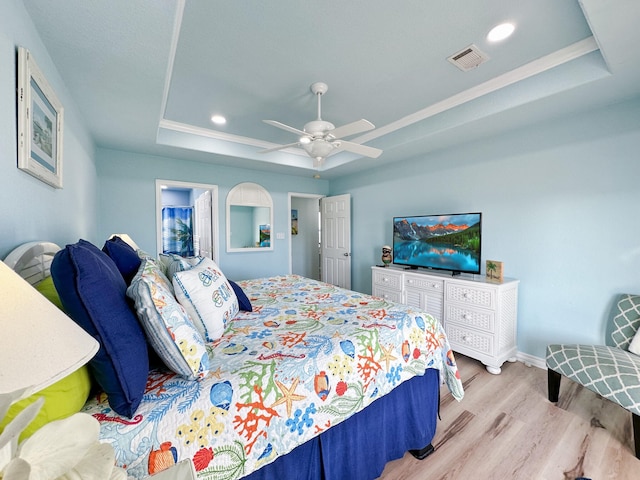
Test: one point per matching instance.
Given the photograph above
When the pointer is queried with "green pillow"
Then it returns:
(48, 289)
(63, 398)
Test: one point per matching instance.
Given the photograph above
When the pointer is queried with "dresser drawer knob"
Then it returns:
(465, 339)
(465, 294)
(467, 316)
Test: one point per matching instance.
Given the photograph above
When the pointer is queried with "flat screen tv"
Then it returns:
(442, 242)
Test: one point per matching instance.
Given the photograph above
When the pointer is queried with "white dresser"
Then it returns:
(479, 317)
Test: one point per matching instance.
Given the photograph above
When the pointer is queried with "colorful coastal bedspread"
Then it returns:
(309, 356)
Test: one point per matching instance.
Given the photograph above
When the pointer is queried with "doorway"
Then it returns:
(187, 218)
(305, 235)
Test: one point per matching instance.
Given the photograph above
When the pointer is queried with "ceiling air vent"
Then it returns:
(468, 58)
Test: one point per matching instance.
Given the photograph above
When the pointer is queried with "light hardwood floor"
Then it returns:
(505, 428)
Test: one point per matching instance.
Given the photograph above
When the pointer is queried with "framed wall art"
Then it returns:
(40, 123)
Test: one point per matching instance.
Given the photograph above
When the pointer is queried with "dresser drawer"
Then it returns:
(471, 294)
(387, 279)
(479, 319)
(468, 339)
(423, 283)
(386, 294)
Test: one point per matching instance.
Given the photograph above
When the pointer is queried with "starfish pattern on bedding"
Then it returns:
(288, 395)
(387, 355)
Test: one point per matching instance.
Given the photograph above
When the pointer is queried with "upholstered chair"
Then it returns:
(610, 370)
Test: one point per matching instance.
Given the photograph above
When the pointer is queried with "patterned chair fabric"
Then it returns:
(626, 321)
(608, 371)
(611, 371)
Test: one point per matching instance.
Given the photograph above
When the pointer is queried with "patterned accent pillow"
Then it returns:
(208, 298)
(167, 325)
(171, 263)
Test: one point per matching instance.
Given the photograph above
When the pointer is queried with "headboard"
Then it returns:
(32, 260)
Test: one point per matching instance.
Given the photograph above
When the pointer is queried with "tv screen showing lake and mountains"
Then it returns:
(447, 242)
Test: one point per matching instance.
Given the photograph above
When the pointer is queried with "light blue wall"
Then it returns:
(559, 201)
(560, 209)
(127, 197)
(29, 208)
(177, 198)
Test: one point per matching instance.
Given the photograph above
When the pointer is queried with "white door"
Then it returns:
(336, 240)
(202, 236)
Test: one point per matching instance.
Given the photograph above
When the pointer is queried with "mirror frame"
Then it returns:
(248, 194)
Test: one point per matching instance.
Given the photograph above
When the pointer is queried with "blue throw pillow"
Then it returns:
(124, 256)
(243, 300)
(93, 293)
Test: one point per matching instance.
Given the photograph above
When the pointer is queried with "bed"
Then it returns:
(315, 382)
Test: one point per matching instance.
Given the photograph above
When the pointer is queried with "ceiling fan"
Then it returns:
(320, 138)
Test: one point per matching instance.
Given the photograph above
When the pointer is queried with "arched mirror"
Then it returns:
(249, 218)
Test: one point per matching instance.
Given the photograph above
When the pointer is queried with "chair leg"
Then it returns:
(636, 433)
(553, 385)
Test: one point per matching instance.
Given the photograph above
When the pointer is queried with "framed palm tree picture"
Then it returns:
(494, 271)
(40, 123)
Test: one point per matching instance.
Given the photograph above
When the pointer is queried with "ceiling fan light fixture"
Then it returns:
(320, 138)
(318, 148)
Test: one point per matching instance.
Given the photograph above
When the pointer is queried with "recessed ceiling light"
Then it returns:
(500, 32)
(218, 119)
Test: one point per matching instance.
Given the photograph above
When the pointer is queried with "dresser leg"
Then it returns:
(493, 370)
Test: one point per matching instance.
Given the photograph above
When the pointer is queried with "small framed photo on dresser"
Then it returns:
(494, 271)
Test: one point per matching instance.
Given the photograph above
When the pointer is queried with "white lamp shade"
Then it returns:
(39, 344)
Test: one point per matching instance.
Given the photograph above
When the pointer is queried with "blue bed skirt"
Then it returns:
(360, 447)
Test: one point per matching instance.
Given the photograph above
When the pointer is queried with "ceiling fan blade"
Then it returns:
(359, 126)
(359, 149)
(279, 147)
(285, 127)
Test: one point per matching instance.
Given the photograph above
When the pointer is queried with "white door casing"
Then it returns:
(336, 240)
(203, 225)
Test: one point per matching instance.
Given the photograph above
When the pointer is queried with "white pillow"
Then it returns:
(634, 346)
(208, 298)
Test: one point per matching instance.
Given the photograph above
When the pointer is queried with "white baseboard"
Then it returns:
(531, 361)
